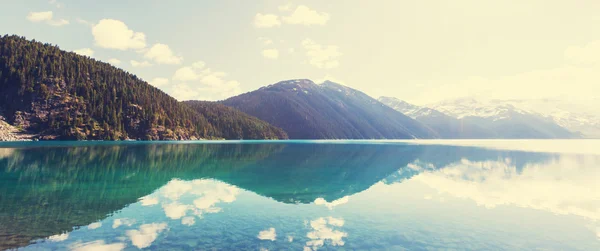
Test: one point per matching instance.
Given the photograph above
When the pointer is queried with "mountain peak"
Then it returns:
(295, 81)
(330, 110)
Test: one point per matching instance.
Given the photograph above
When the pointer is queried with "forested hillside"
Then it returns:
(235, 124)
(55, 94)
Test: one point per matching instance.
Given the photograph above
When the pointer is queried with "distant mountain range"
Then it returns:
(47, 93)
(577, 116)
(471, 118)
(306, 110)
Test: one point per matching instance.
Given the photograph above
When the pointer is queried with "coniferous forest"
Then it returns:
(235, 124)
(56, 94)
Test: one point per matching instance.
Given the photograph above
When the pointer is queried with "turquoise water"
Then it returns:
(298, 195)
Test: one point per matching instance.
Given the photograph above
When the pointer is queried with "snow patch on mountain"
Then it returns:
(413, 111)
(470, 107)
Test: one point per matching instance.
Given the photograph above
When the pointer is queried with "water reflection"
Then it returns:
(322, 231)
(296, 196)
(566, 185)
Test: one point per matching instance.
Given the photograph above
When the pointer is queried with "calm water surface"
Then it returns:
(299, 195)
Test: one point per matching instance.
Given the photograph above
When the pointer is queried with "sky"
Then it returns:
(419, 51)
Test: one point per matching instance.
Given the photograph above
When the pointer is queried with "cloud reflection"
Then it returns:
(123, 221)
(148, 201)
(567, 186)
(95, 225)
(323, 231)
(147, 233)
(268, 234)
(188, 221)
(98, 245)
(175, 210)
(59, 237)
(331, 205)
(207, 194)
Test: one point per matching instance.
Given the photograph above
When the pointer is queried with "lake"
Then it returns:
(300, 195)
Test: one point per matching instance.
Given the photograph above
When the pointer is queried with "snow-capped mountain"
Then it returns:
(470, 107)
(407, 109)
(577, 116)
(446, 126)
(471, 118)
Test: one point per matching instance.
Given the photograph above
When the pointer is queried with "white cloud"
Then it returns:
(268, 234)
(270, 53)
(95, 225)
(58, 237)
(323, 231)
(47, 17)
(147, 234)
(135, 63)
(207, 84)
(331, 205)
(321, 56)
(123, 221)
(59, 22)
(265, 41)
(188, 221)
(157, 82)
(162, 54)
(39, 16)
(190, 73)
(306, 16)
(213, 78)
(114, 34)
(114, 61)
(186, 74)
(85, 52)
(185, 91)
(98, 245)
(266, 20)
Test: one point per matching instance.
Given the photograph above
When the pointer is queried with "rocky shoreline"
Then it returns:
(11, 133)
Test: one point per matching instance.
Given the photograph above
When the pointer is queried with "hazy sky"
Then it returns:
(419, 51)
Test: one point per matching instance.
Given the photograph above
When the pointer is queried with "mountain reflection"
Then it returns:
(48, 191)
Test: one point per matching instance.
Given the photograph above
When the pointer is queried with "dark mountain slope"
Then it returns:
(235, 124)
(54, 94)
(306, 110)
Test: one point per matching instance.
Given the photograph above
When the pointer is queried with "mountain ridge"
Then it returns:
(306, 110)
(483, 119)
